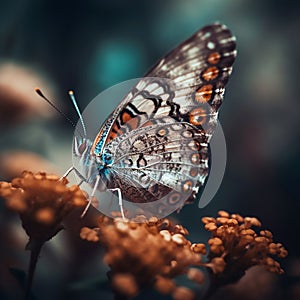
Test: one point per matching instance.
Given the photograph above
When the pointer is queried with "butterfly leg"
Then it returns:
(82, 179)
(91, 196)
(68, 172)
(120, 201)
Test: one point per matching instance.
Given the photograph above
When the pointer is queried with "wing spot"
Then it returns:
(204, 93)
(141, 162)
(185, 47)
(211, 45)
(174, 198)
(194, 145)
(230, 39)
(128, 162)
(233, 53)
(162, 132)
(194, 172)
(148, 123)
(214, 58)
(167, 156)
(206, 35)
(139, 145)
(161, 63)
(125, 117)
(133, 123)
(115, 128)
(144, 179)
(187, 133)
(210, 73)
(195, 158)
(187, 186)
(197, 116)
(113, 135)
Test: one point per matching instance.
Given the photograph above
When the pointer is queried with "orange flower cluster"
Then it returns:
(236, 246)
(143, 255)
(42, 202)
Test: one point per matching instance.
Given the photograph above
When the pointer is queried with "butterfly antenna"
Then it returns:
(39, 92)
(73, 99)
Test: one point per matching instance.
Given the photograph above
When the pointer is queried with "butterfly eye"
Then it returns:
(82, 147)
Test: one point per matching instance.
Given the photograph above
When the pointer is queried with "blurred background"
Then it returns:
(88, 46)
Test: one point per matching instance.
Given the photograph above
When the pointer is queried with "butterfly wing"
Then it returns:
(158, 136)
(190, 76)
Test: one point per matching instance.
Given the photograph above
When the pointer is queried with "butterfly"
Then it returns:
(153, 149)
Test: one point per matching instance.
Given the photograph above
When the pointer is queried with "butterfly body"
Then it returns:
(154, 147)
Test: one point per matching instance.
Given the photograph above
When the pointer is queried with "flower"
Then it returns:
(143, 255)
(42, 202)
(237, 244)
(153, 254)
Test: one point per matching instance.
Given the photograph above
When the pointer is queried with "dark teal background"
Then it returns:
(91, 45)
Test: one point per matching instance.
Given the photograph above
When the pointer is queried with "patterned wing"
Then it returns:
(167, 157)
(158, 136)
(181, 85)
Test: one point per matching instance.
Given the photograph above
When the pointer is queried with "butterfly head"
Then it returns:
(88, 163)
(83, 160)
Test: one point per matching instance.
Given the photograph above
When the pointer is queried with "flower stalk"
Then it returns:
(35, 248)
(42, 202)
